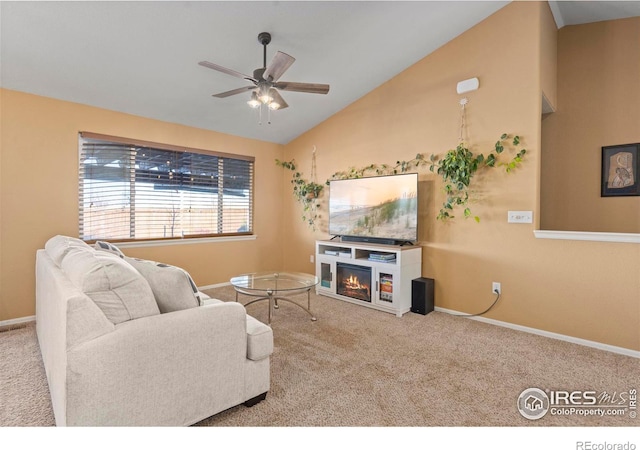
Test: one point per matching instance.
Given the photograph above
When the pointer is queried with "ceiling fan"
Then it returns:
(265, 84)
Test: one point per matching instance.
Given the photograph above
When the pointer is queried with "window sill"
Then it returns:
(163, 242)
(629, 238)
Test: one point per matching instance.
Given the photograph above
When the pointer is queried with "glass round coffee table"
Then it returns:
(272, 286)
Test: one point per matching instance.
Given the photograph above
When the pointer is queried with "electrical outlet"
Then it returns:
(311, 258)
(496, 288)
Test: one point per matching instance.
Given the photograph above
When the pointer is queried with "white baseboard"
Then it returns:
(549, 334)
(18, 321)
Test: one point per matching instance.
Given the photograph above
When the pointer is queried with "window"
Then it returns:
(133, 190)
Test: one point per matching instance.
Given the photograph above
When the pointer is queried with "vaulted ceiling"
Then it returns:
(141, 57)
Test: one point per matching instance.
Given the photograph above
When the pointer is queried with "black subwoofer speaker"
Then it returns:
(422, 295)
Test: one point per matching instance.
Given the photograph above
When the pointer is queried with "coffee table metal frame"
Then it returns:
(270, 292)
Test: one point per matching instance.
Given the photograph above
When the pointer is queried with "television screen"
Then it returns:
(384, 207)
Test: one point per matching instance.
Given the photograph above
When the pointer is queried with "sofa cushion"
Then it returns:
(210, 301)
(172, 286)
(108, 247)
(58, 246)
(259, 339)
(113, 284)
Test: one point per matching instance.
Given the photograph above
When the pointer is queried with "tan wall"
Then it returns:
(573, 288)
(549, 56)
(588, 290)
(598, 98)
(39, 195)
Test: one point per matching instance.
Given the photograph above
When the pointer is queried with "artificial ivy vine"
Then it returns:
(306, 191)
(457, 168)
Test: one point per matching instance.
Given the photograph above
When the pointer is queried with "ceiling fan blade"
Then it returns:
(278, 65)
(213, 66)
(312, 88)
(234, 92)
(278, 99)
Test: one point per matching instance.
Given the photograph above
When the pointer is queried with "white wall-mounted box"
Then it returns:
(520, 217)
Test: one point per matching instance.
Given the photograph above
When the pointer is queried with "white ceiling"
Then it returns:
(141, 57)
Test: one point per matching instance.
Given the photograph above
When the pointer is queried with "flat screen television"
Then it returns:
(375, 209)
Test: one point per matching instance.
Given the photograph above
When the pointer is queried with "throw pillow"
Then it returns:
(173, 287)
(113, 284)
(108, 247)
(58, 246)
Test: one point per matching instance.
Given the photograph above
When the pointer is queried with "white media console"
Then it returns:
(372, 275)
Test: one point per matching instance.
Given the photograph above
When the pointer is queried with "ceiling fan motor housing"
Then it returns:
(257, 74)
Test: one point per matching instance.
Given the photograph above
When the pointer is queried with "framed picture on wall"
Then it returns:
(620, 170)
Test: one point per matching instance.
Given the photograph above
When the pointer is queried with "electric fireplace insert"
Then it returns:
(354, 281)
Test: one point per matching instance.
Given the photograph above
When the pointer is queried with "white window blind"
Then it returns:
(138, 190)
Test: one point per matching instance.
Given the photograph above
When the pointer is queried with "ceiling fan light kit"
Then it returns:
(254, 102)
(265, 84)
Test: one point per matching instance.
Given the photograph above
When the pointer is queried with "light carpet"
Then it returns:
(360, 367)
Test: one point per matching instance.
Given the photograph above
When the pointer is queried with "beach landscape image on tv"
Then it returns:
(384, 207)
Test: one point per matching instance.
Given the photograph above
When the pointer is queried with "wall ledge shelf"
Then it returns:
(628, 238)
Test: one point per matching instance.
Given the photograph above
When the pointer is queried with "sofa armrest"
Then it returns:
(168, 369)
(260, 339)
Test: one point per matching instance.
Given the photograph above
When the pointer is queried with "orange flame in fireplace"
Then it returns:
(353, 283)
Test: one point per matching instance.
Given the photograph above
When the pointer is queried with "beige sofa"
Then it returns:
(115, 353)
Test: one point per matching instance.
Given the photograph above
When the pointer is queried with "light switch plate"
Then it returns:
(520, 217)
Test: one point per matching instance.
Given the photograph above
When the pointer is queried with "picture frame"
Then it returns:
(620, 170)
